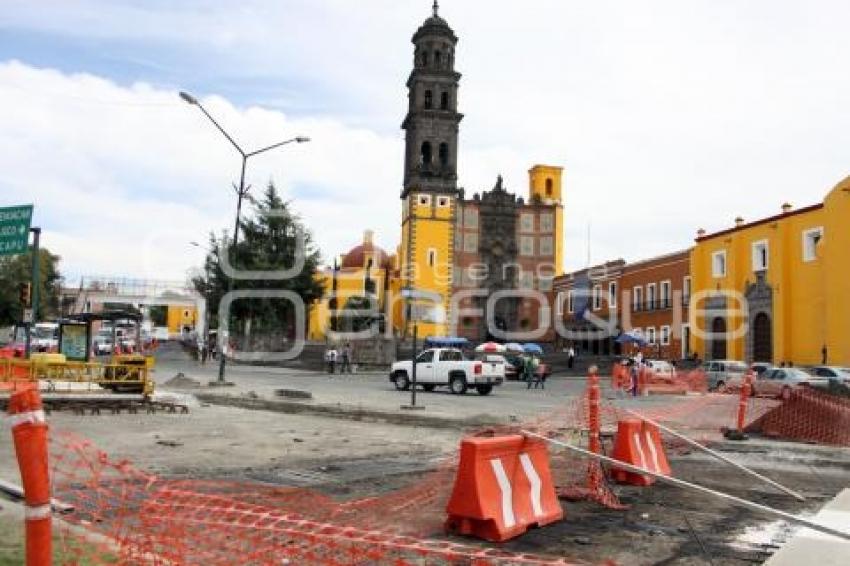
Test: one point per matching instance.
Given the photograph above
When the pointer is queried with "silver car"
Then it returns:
(781, 381)
(722, 375)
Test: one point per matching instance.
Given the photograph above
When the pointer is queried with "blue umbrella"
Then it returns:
(531, 348)
(626, 338)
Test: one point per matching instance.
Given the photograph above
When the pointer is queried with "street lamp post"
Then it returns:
(208, 277)
(241, 191)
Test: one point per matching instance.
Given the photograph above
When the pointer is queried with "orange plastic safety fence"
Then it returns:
(809, 416)
(140, 517)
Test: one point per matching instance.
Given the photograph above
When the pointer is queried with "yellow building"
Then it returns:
(181, 319)
(545, 187)
(777, 289)
(365, 271)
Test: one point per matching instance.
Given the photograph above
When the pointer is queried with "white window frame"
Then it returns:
(547, 222)
(444, 201)
(714, 271)
(755, 253)
(549, 249)
(559, 303)
(470, 217)
(807, 235)
(686, 288)
(612, 295)
(431, 257)
(597, 297)
(685, 340)
(522, 222)
(470, 238)
(650, 335)
(571, 307)
(666, 302)
(652, 296)
(522, 250)
(665, 335)
(637, 298)
(423, 200)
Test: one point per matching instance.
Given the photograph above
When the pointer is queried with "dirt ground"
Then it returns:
(350, 459)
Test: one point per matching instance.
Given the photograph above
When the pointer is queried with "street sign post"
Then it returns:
(15, 229)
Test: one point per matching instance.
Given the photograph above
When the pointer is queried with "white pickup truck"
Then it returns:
(439, 367)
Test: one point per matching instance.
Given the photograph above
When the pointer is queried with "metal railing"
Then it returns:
(129, 377)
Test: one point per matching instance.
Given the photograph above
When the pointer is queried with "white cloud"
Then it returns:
(667, 115)
(124, 178)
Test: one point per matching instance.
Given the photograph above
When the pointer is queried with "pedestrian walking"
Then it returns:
(330, 359)
(537, 373)
(571, 357)
(345, 359)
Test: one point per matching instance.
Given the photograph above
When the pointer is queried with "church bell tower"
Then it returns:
(431, 124)
(430, 191)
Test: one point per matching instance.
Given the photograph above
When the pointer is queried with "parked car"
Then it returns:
(102, 345)
(722, 375)
(512, 367)
(759, 368)
(838, 375)
(45, 336)
(447, 367)
(781, 381)
(661, 368)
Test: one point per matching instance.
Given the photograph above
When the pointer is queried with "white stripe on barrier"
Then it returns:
(507, 492)
(656, 466)
(37, 513)
(32, 417)
(639, 449)
(536, 484)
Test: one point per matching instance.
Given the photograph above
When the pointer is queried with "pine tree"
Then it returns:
(268, 243)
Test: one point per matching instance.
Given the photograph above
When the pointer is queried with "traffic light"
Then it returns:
(26, 294)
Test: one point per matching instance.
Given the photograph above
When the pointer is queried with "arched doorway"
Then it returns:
(762, 338)
(718, 340)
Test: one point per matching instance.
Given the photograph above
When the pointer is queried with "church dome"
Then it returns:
(358, 256)
(434, 25)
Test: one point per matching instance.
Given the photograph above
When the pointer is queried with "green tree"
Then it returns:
(268, 242)
(366, 315)
(16, 270)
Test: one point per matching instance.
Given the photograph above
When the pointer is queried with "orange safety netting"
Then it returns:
(130, 516)
(809, 416)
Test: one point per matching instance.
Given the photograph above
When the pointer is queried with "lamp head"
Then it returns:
(302, 139)
(188, 98)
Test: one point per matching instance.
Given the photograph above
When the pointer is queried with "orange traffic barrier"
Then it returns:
(29, 431)
(503, 487)
(746, 388)
(639, 443)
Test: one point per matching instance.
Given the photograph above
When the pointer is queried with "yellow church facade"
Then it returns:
(777, 289)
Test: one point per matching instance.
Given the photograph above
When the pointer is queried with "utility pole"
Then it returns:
(36, 277)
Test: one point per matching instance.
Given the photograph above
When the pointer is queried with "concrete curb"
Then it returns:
(351, 413)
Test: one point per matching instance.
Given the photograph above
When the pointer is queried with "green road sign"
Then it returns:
(15, 229)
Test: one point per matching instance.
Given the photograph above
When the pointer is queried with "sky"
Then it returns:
(667, 116)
